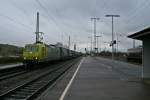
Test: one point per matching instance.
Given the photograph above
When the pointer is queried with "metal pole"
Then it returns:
(97, 43)
(95, 35)
(100, 44)
(74, 47)
(97, 46)
(112, 33)
(112, 39)
(62, 39)
(133, 43)
(69, 43)
(37, 28)
(91, 44)
(94, 43)
(117, 43)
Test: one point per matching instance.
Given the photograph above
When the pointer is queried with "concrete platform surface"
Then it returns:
(102, 79)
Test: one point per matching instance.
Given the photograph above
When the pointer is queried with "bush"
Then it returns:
(6, 60)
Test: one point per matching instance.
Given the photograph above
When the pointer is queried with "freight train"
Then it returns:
(39, 52)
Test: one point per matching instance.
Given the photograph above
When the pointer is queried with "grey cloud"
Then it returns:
(71, 17)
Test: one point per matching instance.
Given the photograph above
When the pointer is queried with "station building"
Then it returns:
(144, 35)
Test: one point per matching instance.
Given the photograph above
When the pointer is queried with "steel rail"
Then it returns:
(29, 90)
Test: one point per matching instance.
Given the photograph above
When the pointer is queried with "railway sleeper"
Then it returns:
(19, 95)
(23, 93)
(39, 83)
(34, 85)
(27, 90)
(32, 89)
(15, 96)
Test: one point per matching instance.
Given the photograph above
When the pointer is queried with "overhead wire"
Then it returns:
(132, 14)
(47, 12)
(21, 9)
(50, 16)
(13, 20)
(58, 13)
(129, 18)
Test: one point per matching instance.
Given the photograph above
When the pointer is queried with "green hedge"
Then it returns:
(5, 60)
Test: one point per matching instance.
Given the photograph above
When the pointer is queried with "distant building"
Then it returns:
(144, 35)
(135, 50)
(135, 55)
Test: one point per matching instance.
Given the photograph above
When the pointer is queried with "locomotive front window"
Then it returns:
(31, 48)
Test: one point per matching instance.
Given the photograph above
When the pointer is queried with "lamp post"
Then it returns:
(112, 43)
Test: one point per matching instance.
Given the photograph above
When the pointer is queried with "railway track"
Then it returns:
(10, 83)
(33, 88)
(11, 74)
(7, 74)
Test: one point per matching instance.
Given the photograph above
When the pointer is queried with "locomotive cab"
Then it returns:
(33, 53)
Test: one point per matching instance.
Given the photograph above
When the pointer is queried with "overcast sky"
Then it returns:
(61, 18)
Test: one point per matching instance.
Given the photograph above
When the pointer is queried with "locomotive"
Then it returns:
(40, 52)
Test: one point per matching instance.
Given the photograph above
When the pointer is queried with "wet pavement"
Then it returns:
(102, 79)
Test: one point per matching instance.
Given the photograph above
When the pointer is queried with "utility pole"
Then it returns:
(112, 43)
(69, 43)
(38, 38)
(61, 38)
(91, 43)
(75, 47)
(118, 41)
(94, 19)
(98, 44)
(117, 48)
(37, 28)
(133, 43)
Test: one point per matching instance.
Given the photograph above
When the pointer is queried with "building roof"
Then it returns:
(139, 35)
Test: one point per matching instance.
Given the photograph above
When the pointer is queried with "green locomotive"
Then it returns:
(34, 52)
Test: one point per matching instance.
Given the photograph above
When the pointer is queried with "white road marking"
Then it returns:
(70, 82)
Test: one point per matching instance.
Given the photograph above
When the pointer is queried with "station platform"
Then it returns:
(97, 78)
(10, 66)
